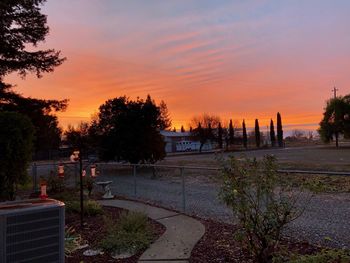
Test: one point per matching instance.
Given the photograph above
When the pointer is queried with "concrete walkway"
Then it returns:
(181, 235)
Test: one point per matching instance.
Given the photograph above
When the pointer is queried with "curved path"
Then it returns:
(181, 235)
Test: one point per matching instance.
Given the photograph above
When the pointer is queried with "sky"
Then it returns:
(236, 59)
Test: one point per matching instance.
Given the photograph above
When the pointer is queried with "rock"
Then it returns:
(92, 252)
(116, 255)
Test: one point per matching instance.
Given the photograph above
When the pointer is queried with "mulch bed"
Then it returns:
(219, 245)
(94, 230)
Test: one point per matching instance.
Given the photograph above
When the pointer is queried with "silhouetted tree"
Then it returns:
(220, 132)
(129, 130)
(272, 134)
(231, 133)
(22, 27)
(182, 128)
(335, 120)
(245, 137)
(166, 121)
(40, 112)
(190, 128)
(174, 130)
(257, 133)
(16, 144)
(279, 130)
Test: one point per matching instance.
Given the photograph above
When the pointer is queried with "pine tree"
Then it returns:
(220, 136)
(191, 129)
(272, 134)
(279, 130)
(257, 133)
(231, 133)
(182, 128)
(174, 130)
(245, 138)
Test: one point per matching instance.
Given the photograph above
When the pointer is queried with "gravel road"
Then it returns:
(325, 220)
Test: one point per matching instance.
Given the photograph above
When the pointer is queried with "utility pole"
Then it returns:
(335, 92)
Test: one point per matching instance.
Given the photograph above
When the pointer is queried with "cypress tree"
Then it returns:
(245, 138)
(182, 128)
(231, 133)
(257, 133)
(279, 130)
(272, 134)
(220, 136)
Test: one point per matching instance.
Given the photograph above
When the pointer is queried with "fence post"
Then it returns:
(183, 190)
(34, 178)
(75, 174)
(134, 174)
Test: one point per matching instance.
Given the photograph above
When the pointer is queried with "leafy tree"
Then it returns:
(257, 133)
(16, 144)
(79, 138)
(272, 134)
(165, 116)
(129, 130)
(245, 137)
(279, 130)
(220, 132)
(335, 120)
(41, 114)
(231, 133)
(182, 128)
(22, 27)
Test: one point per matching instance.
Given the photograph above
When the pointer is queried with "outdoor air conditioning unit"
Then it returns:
(32, 231)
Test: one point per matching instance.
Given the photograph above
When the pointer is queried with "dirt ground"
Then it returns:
(309, 157)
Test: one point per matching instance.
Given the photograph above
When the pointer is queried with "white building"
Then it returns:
(182, 142)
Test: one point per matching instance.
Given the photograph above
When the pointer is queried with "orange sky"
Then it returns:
(229, 58)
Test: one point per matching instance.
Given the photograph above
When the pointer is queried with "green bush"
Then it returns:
(55, 184)
(91, 208)
(325, 256)
(262, 204)
(131, 234)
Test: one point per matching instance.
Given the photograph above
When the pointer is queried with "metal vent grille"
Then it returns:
(33, 237)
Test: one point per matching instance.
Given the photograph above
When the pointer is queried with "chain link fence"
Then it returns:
(195, 191)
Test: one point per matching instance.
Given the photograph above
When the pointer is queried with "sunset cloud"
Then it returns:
(236, 59)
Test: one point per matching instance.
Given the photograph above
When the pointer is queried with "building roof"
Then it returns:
(175, 134)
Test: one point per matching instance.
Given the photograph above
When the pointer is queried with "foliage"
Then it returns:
(91, 207)
(40, 112)
(78, 138)
(129, 130)
(272, 134)
(165, 116)
(22, 27)
(220, 133)
(257, 133)
(55, 184)
(231, 133)
(262, 204)
(279, 130)
(325, 256)
(205, 125)
(182, 129)
(16, 144)
(131, 234)
(245, 137)
(335, 119)
(88, 183)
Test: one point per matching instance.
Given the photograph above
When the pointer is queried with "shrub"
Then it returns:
(55, 184)
(131, 234)
(262, 204)
(91, 208)
(88, 183)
